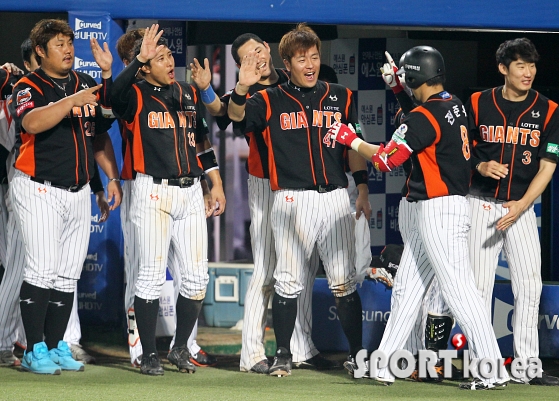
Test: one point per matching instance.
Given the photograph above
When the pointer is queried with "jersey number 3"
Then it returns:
(465, 142)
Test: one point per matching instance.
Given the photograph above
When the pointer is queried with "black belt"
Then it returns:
(71, 188)
(323, 188)
(183, 182)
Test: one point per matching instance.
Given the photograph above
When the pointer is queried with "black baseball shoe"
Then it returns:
(477, 384)
(203, 359)
(262, 367)
(180, 357)
(351, 366)
(545, 380)
(282, 363)
(317, 362)
(151, 365)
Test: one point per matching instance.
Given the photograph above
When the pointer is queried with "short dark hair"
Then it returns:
(241, 40)
(125, 44)
(138, 46)
(514, 49)
(302, 38)
(45, 30)
(438, 80)
(327, 74)
(26, 50)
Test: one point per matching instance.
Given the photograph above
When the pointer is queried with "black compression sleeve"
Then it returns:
(122, 86)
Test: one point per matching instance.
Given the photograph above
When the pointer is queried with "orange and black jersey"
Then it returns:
(165, 121)
(64, 153)
(437, 132)
(127, 172)
(515, 133)
(257, 162)
(294, 123)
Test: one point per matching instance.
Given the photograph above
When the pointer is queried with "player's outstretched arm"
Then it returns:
(249, 74)
(209, 202)
(536, 188)
(346, 135)
(202, 77)
(358, 167)
(211, 170)
(105, 157)
(44, 118)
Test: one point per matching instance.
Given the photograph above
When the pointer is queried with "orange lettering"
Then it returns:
(302, 120)
(484, 132)
(168, 121)
(500, 134)
(524, 135)
(285, 121)
(153, 120)
(535, 141)
(317, 118)
(512, 135)
(328, 116)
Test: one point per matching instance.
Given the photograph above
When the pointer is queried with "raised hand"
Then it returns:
(102, 55)
(202, 76)
(149, 44)
(86, 96)
(389, 76)
(249, 73)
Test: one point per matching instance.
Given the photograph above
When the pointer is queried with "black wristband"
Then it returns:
(361, 177)
(238, 99)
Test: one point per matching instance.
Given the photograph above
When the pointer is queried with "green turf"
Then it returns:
(114, 379)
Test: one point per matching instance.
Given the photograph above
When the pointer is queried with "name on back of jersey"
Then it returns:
(514, 135)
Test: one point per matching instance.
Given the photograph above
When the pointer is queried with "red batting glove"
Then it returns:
(345, 135)
(380, 160)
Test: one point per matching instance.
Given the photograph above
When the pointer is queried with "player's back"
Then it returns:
(441, 159)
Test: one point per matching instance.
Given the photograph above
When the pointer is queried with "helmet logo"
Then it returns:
(412, 67)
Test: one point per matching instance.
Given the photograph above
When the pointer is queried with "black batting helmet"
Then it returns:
(421, 63)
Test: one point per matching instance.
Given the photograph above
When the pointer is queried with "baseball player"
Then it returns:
(11, 329)
(435, 322)
(248, 51)
(311, 205)
(435, 137)
(125, 49)
(515, 132)
(168, 208)
(57, 117)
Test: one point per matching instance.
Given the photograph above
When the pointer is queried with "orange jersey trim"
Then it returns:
(138, 148)
(550, 111)
(254, 160)
(434, 185)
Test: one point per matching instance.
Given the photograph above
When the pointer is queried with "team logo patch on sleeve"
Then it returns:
(552, 148)
(23, 96)
(23, 107)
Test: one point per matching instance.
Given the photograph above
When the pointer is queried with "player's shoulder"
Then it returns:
(544, 99)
